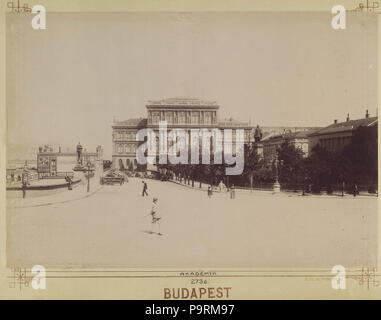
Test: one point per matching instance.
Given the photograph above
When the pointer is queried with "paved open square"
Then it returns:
(254, 230)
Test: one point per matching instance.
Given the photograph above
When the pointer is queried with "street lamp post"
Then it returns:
(305, 184)
(276, 186)
(88, 171)
(24, 179)
(24, 183)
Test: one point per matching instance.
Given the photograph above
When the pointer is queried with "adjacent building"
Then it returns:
(339, 134)
(332, 138)
(272, 143)
(52, 163)
(124, 144)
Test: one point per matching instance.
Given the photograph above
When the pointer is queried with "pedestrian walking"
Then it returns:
(355, 190)
(232, 192)
(69, 182)
(144, 189)
(221, 186)
(23, 187)
(342, 188)
(210, 192)
(155, 217)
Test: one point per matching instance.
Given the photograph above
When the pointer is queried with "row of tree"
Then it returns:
(254, 171)
(357, 164)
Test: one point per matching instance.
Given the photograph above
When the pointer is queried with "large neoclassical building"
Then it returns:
(184, 113)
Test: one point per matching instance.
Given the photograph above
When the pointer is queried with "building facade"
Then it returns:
(52, 163)
(124, 142)
(336, 136)
(179, 113)
(272, 143)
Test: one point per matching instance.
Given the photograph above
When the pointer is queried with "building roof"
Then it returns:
(288, 136)
(232, 123)
(346, 126)
(182, 102)
(136, 122)
(268, 136)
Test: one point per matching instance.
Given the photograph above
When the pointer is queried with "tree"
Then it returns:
(213, 172)
(321, 169)
(264, 173)
(357, 163)
(291, 163)
(359, 159)
(252, 163)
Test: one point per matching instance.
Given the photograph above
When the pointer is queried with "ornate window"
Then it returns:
(155, 117)
(169, 117)
(195, 117)
(182, 117)
(208, 117)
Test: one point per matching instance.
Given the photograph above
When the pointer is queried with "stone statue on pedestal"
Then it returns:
(79, 153)
(258, 134)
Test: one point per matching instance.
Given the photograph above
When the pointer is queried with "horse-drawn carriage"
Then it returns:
(113, 177)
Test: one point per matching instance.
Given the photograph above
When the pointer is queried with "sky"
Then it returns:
(67, 83)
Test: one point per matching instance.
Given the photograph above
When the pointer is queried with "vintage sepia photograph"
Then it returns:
(191, 141)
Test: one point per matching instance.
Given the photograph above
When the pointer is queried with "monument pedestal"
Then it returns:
(276, 187)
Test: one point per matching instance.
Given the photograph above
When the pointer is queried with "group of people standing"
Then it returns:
(355, 189)
(231, 190)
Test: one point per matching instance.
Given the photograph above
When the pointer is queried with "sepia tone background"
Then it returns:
(153, 287)
(86, 69)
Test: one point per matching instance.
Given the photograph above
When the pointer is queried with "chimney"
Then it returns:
(367, 114)
(347, 117)
(335, 121)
